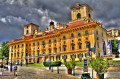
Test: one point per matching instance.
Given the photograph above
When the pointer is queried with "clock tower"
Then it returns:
(81, 12)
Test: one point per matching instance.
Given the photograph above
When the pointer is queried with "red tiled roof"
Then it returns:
(28, 37)
(71, 25)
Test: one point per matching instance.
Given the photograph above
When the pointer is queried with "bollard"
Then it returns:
(52, 69)
(58, 70)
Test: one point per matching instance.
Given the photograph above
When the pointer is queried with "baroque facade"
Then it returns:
(64, 41)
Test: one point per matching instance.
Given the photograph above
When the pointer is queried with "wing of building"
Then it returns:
(62, 41)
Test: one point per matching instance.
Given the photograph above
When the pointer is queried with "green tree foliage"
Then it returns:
(5, 49)
(99, 65)
(71, 64)
(114, 46)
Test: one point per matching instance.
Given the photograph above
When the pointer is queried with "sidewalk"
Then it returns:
(7, 75)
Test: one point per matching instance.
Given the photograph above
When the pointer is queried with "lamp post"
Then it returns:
(21, 59)
(11, 63)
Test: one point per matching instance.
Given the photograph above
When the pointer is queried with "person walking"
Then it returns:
(2, 68)
(26, 64)
(15, 70)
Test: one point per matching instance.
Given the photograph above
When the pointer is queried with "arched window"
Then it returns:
(78, 16)
(89, 16)
(79, 34)
(72, 35)
(26, 31)
(72, 47)
(64, 37)
(86, 32)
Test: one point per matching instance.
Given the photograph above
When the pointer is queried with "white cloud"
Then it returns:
(3, 20)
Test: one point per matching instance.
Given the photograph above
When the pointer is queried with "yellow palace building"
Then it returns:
(66, 40)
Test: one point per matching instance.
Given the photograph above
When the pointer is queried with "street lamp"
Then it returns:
(11, 63)
(21, 59)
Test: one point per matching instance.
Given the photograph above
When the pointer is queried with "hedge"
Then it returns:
(53, 63)
(31, 63)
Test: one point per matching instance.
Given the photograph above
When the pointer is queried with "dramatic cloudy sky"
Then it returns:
(14, 14)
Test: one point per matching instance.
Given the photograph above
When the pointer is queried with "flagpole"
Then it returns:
(92, 67)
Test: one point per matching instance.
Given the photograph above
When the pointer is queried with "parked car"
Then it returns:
(85, 76)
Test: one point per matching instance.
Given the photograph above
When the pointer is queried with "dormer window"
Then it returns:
(78, 16)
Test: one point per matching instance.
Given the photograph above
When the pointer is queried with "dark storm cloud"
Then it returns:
(14, 14)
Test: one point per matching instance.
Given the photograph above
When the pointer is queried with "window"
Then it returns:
(72, 47)
(60, 39)
(98, 45)
(79, 34)
(55, 50)
(33, 44)
(85, 54)
(102, 34)
(79, 39)
(64, 48)
(18, 54)
(22, 45)
(72, 40)
(64, 37)
(64, 42)
(78, 16)
(97, 32)
(38, 52)
(27, 27)
(26, 31)
(60, 49)
(29, 44)
(55, 40)
(43, 52)
(86, 32)
(18, 46)
(86, 38)
(97, 38)
(33, 53)
(79, 46)
(43, 42)
(89, 16)
(15, 46)
(15, 54)
(49, 41)
(86, 44)
(26, 44)
(72, 35)
(37, 43)
(49, 50)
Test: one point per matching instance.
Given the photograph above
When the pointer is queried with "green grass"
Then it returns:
(35, 65)
(80, 64)
(116, 62)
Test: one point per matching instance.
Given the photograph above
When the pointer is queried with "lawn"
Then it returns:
(80, 64)
(35, 65)
(116, 62)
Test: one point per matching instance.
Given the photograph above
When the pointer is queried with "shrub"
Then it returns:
(53, 63)
(31, 63)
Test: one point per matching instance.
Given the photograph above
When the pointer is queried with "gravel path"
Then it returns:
(37, 73)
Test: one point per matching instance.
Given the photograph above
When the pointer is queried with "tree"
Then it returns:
(114, 46)
(5, 49)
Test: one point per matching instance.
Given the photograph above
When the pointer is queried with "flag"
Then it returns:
(104, 48)
(119, 46)
(94, 51)
(89, 47)
(109, 43)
